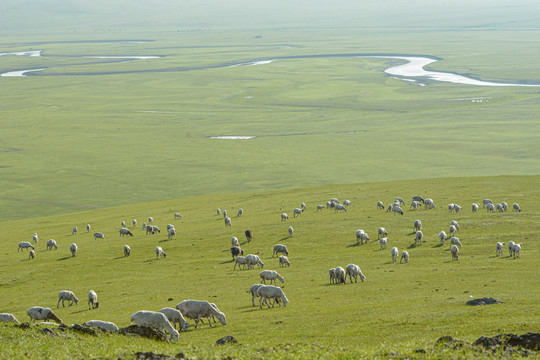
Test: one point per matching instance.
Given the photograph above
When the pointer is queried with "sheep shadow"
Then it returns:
(164, 240)
(65, 258)
(412, 246)
(354, 245)
(80, 311)
(437, 246)
(120, 257)
(227, 262)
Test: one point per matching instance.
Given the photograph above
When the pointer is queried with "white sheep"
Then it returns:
(8, 318)
(455, 252)
(99, 235)
(505, 206)
(67, 295)
(358, 234)
(418, 238)
(329, 204)
(284, 261)
(88, 227)
(240, 212)
(490, 207)
(150, 220)
(240, 261)
(320, 207)
(340, 207)
(25, 245)
(74, 231)
(457, 208)
(228, 221)
(404, 256)
(417, 225)
(414, 205)
(41, 313)
(218, 211)
(455, 223)
(275, 293)
(383, 242)
(303, 206)
(35, 237)
(332, 273)
(270, 275)
(134, 222)
(92, 300)
(51, 244)
(253, 260)
(485, 202)
(381, 233)
(500, 247)
(253, 291)
(346, 202)
(123, 232)
(455, 241)
(103, 325)
(390, 208)
(31, 254)
(290, 230)
(362, 236)
(155, 320)
(399, 200)
(442, 237)
(429, 204)
(73, 248)
(123, 223)
(234, 241)
(127, 250)
(452, 230)
(500, 208)
(451, 207)
(516, 207)
(297, 211)
(175, 317)
(177, 216)
(197, 309)
(224, 212)
(280, 249)
(516, 250)
(475, 207)
(397, 209)
(510, 244)
(353, 270)
(334, 200)
(340, 275)
(144, 225)
(160, 253)
(394, 252)
(284, 217)
(380, 205)
(171, 233)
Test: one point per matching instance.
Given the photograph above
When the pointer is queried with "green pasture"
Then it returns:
(75, 142)
(398, 309)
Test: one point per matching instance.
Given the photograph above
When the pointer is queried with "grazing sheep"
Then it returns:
(475, 207)
(123, 232)
(284, 217)
(25, 245)
(417, 225)
(73, 248)
(380, 205)
(67, 295)
(400, 200)
(383, 242)
(171, 233)
(329, 204)
(334, 200)
(414, 205)
(150, 220)
(253, 291)
(340, 207)
(218, 211)
(390, 207)
(240, 212)
(175, 317)
(394, 252)
(358, 234)
(500, 208)
(134, 222)
(253, 260)
(123, 223)
(196, 309)
(240, 261)
(516, 207)
(74, 231)
(297, 211)
(320, 207)
(99, 235)
(280, 249)
(177, 216)
(228, 221)
(51, 244)
(451, 207)
(224, 212)
(88, 227)
(270, 275)
(516, 250)
(455, 223)
(249, 235)
(234, 241)
(8, 318)
(429, 204)
(160, 253)
(92, 300)
(504, 206)
(362, 236)
(452, 230)
(455, 252)
(485, 202)
(144, 226)
(490, 207)
(291, 231)
(170, 226)
(353, 270)
(457, 208)
(41, 313)
(381, 233)
(35, 237)
(442, 237)
(418, 238)
(152, 229)
(275, 293)
(340, 275)
(155, 320)
(303, 206)
(332, 273)
(284, 261)
(397, 210)
(404, 256)
(236, 250)
(127, 250)
(346, 202)
(510, 244)
(32, 254)
(103, 325)
(500, 247)
(455, 241)
(418, 199)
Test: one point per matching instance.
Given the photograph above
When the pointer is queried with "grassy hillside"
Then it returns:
(400, 307)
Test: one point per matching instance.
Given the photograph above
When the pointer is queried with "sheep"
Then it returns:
(451, 207)
(452, 230)
(284, 217)
(99, 235)
(320, 207)
(475, 207)
(394, 252)
(455, 252)
(240, 260)
(88, 227)
(328, 204)
(35, 237)
(134, 222)
(418, 238)
(346, 202)
(397, 210)
(41, 313)
(291, 231)
(284, 261)
(363, 236)
(504, 206)
(390, 207)
(414, 205)
(177, 216)
(144, 225)
(340, 207)
(418, 199)
(442, 237)
(280, 249)
(51, 244)
(516, 250)
(236, 250)
(383, 241)
(32, 254)
(218, 211)
(224, 212)
(334, 200)
(400, 200)
(253, 291)
(455, 241)
(380, 205)
(103, 325)
(150, 220)
(253, 260)
(270, 275)
(160, 253)
(404, 256)
(358, 234)
(490, 207)
(123, 232)
(196, 309)
(275, 293)
(455, 223)
(175, 317)
(485, 202)
(381, 233)
(516, 207)
(25, 245)
(249, 235)
(457, 208)
(510, 244)
(123, 223)
(417, 225)
(353, 270)
(500, 247)
(152, 229)
(429, 204)
(155, 320)
(171, 233)
(8, 318)
(500, 208)
(303, 206)
(92, 300)
(74, 231)
(297, 211)
(340, 275)
(67, 295)
(73, 248)
(234, 241)
(228, 221)
(332, 273)
(240, 212)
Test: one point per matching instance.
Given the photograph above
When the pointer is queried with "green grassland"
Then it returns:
(399, 309)
(71, 142)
